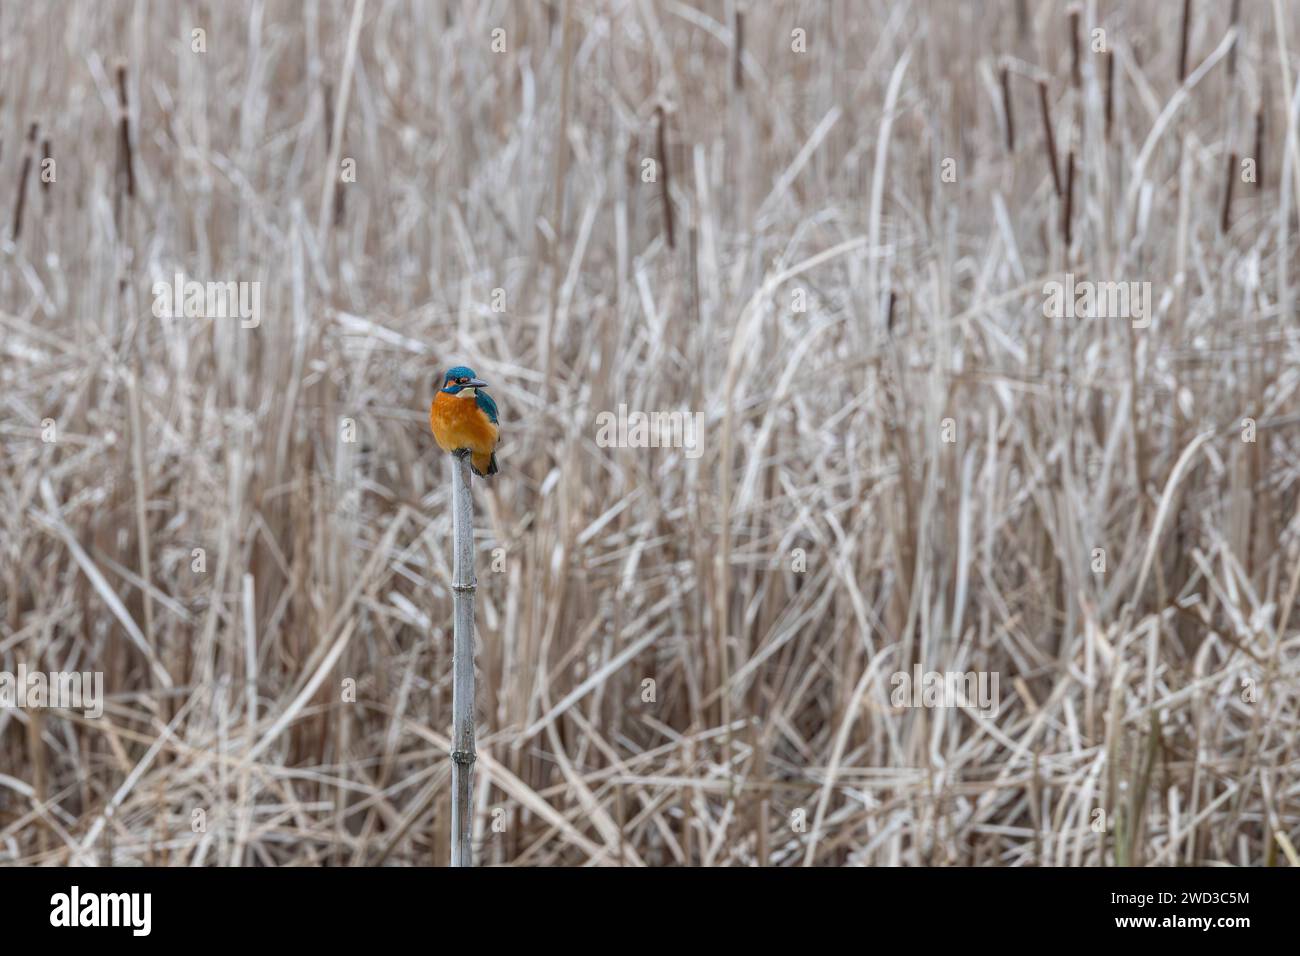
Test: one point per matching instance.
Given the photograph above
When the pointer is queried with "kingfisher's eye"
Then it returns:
(463, 381)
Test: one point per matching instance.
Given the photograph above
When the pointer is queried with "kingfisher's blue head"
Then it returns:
(460, 378)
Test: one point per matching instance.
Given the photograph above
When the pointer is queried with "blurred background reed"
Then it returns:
(825, 225)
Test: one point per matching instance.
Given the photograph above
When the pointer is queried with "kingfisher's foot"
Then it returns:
(461, 453)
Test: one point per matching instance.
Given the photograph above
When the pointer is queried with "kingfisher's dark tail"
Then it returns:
(492, 465)
(484, 469)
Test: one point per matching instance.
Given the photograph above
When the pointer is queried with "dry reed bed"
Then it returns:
(817, 172)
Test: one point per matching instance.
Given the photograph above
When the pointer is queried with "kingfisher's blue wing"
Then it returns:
(485, 402)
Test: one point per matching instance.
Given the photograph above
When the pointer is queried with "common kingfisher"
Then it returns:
(463, 416)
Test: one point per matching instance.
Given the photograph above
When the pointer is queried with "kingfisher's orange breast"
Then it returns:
(458, 422)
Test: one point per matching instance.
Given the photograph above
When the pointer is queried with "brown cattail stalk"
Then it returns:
(738, 50)
(45, 154)
(1110, 92)
(1006, 109)
(128, 164)
(1182, 46)
(20, 202)
(1050, 137)
(1076, 73)
(662, 140)
(1069, 199)
(1226, 220)
(329, 127)
(1259, 147)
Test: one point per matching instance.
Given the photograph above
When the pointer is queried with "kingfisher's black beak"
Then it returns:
(477, 383)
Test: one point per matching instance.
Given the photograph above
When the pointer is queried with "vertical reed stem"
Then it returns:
(1182, 46)
(45, 154)
(462, 685)
(1076, 73)
(1050, 137)
(1006, 109)
(1069, 201)
(738, 51)
(1234, 20)
(329, 127)
(1226, 220)
(662, 148)
(1110, 92)
(20, 201)
(1259, 146)
(124, 134)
